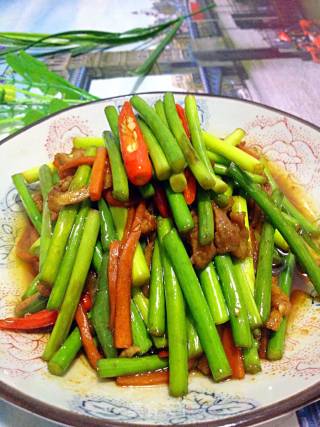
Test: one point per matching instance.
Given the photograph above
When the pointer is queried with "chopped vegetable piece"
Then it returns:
(275, 348)
(108, 368)
(190, 191)
(251, 360)
(87, 141)
(112, 116)
(32, 175)
(76, 283)
(180, 211)
(27, 201)
(176, 321)
(107, 229)
(98, 174)
(41, 319)
(120, 187)
(233, 154)
(142, 304)
(63, 228)
(197, 141)
(193, 340)
(205, 214)
(62, 359)
(65, 269)
(178, 182)
(236, 305)
(101, 312)
(293, 239)
(246, 265)
(264, 271)
(159, 160)
(183, 118)
(233, 353)
(198, 168)
(198, 306)
(157, 311)
(211, 288)
(140, 270)
(167, 141)
(46, 184)
(122, 330)
(140, 334)
(133, 148)
(86, 337)
(235, 137)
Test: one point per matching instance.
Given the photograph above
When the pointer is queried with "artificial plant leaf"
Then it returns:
(32, 116)
(35, 71)
(57, 105)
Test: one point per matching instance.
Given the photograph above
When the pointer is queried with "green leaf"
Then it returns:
(75, 39)
(37, 73)
(32, 116)
(57, 105)
(145, 68)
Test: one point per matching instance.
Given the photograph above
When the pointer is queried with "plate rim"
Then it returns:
(50, 412)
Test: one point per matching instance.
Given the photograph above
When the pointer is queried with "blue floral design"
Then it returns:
(196, 406)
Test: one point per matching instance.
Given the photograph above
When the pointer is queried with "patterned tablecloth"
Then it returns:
(255, 64)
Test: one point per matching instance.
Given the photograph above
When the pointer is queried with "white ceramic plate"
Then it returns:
(79, 398)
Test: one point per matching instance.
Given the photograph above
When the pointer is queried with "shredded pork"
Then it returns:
(149, 223)
(231, 234)
(58, 199)
(201, 254)
(280, 306)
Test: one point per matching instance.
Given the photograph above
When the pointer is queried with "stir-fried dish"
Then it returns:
(159, 249)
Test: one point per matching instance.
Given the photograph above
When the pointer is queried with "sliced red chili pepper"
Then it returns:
(133, 148)
(190, 191)
(183, 118)
(42, 319)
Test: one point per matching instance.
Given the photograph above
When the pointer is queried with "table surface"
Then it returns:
(278, 79)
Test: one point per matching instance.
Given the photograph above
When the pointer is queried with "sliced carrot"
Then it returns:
(133, 148)
(183, 118)
(98, 174)
(86, 337)
(190, 191)
(74, 163)
(161, 202)
(114, 252)
(122, 330)
(148, 378)
(118, 203)
(233, 354)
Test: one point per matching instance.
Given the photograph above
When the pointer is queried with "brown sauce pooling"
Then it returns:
(294, 191)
